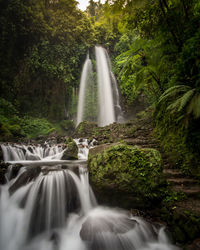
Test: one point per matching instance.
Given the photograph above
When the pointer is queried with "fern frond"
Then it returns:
(194, 106)
(186, 98)
(177, 87)
(180, 118)
(173, 91)
(140, 77)
(175, 105)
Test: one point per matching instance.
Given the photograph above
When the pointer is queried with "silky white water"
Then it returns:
(104, 107)
(18, 152)
(55, 209)
(106, 102)
(116, 93)
(86, 72)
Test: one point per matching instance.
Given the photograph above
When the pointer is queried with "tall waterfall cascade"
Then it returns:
(53, 207)
(86, 73)
(100, 103)
(106, 101)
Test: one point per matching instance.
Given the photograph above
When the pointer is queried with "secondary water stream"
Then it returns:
(48, 204)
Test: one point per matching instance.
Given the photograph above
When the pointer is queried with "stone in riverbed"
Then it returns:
(27, 176)
(97, 225)
(71, 152)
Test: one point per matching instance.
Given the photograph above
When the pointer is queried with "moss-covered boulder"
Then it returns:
(71, 152)
(128, 176)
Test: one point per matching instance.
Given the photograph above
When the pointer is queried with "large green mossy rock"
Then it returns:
(128, 176)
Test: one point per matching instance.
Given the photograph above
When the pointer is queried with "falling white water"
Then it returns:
(106, 101)
(57, 210)
(116, 93)
(18, 152)
(83, 148)
(87, 69)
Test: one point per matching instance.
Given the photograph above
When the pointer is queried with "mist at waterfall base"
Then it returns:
(99, 101)
(56, 209)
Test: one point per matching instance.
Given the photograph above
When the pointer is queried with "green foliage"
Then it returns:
(34, 127)
(85, 128)
(13, 126)
(9, 120)
(67, 125)
(182, 100)
(172, 196)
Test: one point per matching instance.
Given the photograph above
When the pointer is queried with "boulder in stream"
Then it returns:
(71, 152)
(25, 177)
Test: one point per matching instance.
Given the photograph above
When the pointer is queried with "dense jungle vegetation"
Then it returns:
(155, 51)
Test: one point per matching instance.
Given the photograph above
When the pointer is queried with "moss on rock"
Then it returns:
(85, 129)
(108, 134)
(128, 173)
(184, 225)
(71, 152)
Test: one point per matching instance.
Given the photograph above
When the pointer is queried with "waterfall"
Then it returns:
(116, 93)
(55, 209)
(86, 94)
(106, 102)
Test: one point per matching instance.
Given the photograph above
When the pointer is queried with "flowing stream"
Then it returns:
(47, 206)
